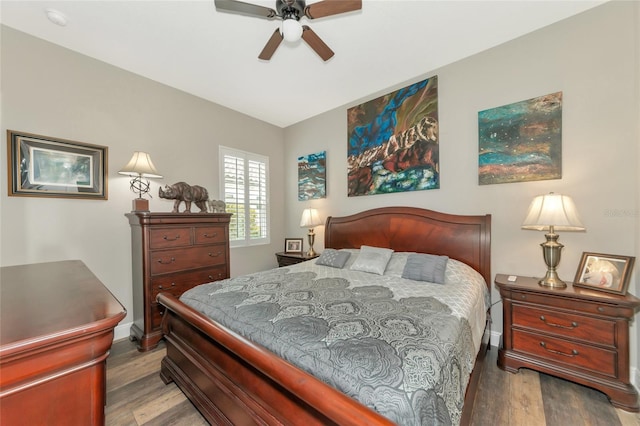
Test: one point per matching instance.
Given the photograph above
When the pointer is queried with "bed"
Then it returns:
(233, 380)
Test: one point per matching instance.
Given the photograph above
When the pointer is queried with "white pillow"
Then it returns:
(372, 259)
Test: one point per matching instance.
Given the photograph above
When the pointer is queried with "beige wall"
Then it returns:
(593, 59)
(51, 91)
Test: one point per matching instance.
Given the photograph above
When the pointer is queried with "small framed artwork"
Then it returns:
(604, 272)
(42, 166)
(293, 245)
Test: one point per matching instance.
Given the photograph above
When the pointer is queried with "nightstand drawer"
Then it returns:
(169, 237)
(591, 330)
(187, 258)
(590, 307)
(571, 353)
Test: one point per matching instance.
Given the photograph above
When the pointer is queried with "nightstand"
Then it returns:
(574, 333)
(286, 259)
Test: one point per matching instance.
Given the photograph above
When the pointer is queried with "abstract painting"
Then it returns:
(393, 142)
(521, 142)
(312, 176)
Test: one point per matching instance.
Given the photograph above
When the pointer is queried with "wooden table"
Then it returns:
(56, 330)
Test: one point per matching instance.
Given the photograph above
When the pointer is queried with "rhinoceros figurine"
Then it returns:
(182, 191)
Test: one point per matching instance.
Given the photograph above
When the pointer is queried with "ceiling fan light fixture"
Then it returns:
(291, 30)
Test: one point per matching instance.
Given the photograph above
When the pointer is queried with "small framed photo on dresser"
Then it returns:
(604, 272)
(293, 245)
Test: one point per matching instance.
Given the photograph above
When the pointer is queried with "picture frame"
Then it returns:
(43, 166)
(604, 272)
(293, 245)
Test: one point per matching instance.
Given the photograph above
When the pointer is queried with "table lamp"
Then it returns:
(140, 166)
(310, 219)
(552, 212)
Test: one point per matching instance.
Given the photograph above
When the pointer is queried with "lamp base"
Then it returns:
(551, 251)
(312, 236)
(551, 279)
(140, 205)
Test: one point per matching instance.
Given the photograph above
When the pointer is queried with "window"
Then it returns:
(244, 184)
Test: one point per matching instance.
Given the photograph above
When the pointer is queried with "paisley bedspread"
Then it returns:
(409, 357)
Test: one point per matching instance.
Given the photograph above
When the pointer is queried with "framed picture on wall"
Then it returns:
(42, 166)
(604, 272)
(293, 245)
(312, 176)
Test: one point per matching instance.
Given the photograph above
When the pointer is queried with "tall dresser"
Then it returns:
(172, 252)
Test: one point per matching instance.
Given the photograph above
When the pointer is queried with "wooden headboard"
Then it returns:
(464, 238)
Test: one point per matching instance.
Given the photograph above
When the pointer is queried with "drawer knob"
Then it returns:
(159, 287)
(167, 238)
(215, 234)
(600, 309)
(573, 353)
(162, 262)
(215, 254)
(552, 324)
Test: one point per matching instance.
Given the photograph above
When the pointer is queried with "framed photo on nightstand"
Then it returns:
(293, 245)
(604, 272)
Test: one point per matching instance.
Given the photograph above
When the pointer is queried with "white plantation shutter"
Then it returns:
(244, 188)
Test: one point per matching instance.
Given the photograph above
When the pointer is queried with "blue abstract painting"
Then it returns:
(312, 176)
(393, 142)
(521, 142)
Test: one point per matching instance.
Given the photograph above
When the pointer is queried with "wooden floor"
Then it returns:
(137, 396)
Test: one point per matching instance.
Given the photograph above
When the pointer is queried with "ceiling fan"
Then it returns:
(290, 11)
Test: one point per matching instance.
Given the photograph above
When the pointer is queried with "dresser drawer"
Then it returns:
(591, 330)
(156, 310)
(187, 258)
(210, 235)
(169, 237)
(176, 284)
(571, 353)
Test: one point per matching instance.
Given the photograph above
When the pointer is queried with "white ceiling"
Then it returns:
(214, 55)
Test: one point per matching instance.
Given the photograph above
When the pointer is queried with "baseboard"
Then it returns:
(121, 332)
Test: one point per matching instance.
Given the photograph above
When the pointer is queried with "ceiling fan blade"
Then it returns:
(331, 7)
(312, 39)
(245, 8)
(271, 46)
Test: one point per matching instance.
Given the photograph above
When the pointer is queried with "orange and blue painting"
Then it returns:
(312, 176)
(521, 142)
(393, 142)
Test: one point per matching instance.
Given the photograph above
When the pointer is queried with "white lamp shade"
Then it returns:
(310, 218)
(140, 165)
(291, 30)
(554, 210)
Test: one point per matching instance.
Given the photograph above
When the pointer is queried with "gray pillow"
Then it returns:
(425, 267)
(333, 258)
(372, 259)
